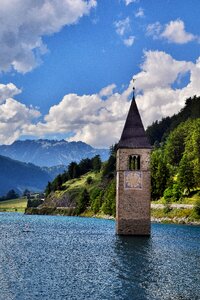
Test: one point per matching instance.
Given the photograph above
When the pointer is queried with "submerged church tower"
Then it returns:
(133, 177)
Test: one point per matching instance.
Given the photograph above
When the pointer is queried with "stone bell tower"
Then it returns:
(133, 177)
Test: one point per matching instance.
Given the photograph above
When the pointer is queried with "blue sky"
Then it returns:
(66, 66)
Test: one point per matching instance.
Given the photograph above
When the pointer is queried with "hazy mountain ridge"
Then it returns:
(50, 153)
(54, 171)
(20, 176)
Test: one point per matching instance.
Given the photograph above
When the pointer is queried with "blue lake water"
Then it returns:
(52, 257)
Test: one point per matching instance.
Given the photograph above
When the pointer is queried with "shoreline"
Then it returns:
(157, 215)
(163, 220)
(177, 221)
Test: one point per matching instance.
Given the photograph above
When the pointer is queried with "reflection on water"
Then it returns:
(132, 266)
(46, 257)
(164, 266)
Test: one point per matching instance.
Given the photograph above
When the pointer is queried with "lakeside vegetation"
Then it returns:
(175, 215)
(165, 214)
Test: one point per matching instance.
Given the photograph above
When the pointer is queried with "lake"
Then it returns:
(54, 257)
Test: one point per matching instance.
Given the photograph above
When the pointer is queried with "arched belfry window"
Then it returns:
(134, 162)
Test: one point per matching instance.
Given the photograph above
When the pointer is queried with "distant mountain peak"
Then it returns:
(48, 153)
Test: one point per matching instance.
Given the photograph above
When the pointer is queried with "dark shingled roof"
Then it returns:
(133, 135)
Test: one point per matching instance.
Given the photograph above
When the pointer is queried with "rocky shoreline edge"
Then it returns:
(69, 212)
(181, 221)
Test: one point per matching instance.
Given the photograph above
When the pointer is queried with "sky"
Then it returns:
(66, 66)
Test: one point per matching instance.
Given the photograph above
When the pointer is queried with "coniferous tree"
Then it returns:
(192, 148)
(12, 195)
(159, 173)
(175, 145)
(65, 177)
(48, 189)
(110, 165)
(96, 163)
(59, 182)
(186, 175)
(26, 193)
(73, 170)
(83, 202)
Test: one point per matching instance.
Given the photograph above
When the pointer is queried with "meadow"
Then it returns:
(15, 205)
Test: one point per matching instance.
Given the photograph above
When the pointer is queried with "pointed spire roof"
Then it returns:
(133, 135)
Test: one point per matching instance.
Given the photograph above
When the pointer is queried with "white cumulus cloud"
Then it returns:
(127, 2)
(107, 91)
(157, 98)
(123, 29)
(160, 70)
(129, 41)
(154, 30)
(98, 119)
(25, 23)
(7, 91)
(139, 13)
(173, 32)
(13, 114)
(13, 117)
(89, 117)
(122, 26)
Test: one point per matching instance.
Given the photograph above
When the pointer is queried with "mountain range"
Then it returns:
(30, 164)
(48, 153)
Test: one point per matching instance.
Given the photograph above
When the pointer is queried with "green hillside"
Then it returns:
(90, 193)
(78, 197)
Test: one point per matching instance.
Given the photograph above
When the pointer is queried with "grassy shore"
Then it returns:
(158, 215)
(15, 205)
(175, 215)
(179, 212)
(167, 214)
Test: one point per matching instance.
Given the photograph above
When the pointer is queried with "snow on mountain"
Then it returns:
(48, 153)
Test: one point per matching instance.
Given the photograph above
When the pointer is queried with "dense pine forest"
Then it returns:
(160, 130)
(89, 187)
(175, 159)
(175, 165)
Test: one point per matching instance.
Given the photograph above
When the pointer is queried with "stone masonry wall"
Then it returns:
(133, 205)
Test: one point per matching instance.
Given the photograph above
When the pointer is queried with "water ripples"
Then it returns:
(49, 257)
